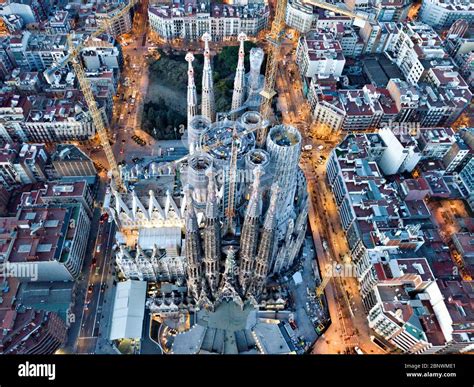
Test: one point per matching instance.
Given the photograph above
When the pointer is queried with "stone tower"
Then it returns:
(207, 100)
(192, 96)
(239, 80)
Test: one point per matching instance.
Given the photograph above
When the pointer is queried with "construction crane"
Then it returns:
(359, 15)
(73, 57)
(268, 92)
(97, 119)
(320, 289)
(275, 38)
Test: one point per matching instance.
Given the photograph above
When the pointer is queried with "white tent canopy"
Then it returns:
(129, 310)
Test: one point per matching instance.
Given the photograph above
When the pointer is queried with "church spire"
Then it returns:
(192, 97)
(193, 247)
(212, 240)
(207, 100)
(239, 80)
(249, 237)
(227, 290)
(265, 246)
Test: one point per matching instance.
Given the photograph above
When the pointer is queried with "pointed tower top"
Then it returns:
(206, 38)
(190, 58)
(257, 173)
(271, 212)
(235, 133)
(211, 206)
(191, 221)
(211, 187)
(241, 38)
(230, 261)
(254, 208)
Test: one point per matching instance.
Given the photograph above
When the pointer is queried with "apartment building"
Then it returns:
(411, 46)
(191, 20)
(299, 16)
(46, 243)
(70, 161)
(22, 164)
(466, 182)
(37, 51)
(319, 53)
(443, 13)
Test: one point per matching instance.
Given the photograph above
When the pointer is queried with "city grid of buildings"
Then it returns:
(217, 248)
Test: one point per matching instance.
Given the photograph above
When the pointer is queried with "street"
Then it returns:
(349, 327)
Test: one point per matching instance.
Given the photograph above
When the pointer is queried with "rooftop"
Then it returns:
(38, 234)
(67, 152)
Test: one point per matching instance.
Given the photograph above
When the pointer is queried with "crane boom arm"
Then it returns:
(97, 119)
(74, 50)
(274, 38)
(334, 8)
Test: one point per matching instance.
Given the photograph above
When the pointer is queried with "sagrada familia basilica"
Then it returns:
(239, 214)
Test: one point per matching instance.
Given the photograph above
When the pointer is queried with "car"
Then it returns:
(104, 217)
(97, 249)
(94, 261)
(102, 288)
(90, 288)
(97, 269)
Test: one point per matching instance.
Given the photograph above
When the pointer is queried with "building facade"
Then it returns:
(191, 20)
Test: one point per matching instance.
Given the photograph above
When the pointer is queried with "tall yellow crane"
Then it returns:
(268, 92)
(96, 116)
(74, 58)
(274, 38)
(336, 9)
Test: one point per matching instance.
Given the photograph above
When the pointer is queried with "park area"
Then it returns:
(165, 102)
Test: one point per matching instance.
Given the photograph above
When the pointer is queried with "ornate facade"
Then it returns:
(242, 217)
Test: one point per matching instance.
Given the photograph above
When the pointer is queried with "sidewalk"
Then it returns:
(104, 346)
